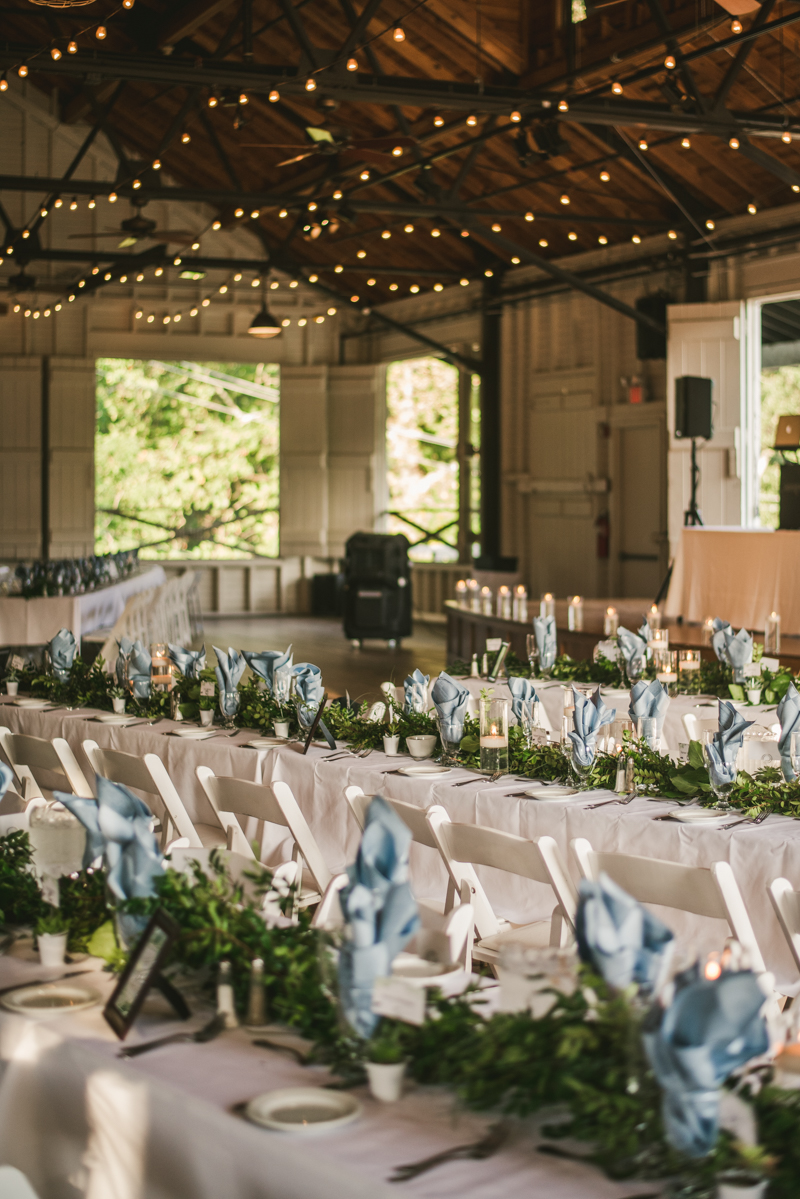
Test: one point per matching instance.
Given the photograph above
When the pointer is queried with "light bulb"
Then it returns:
(311, 84)
(92, 202)
(398, 34)
(603, 240)
(436, 233)
(370, 282)
(337, 270)
(42, 213)
(386, 234)
(3, 84)
(465, 232)
(159, 271)
(313, 278)
(243, 99)
(364, 175)
(216, 225)
(636, 239)
(736, 25)
(320, 320)
(361, 254)
(710, 224)
(751, 208)
(302, 322)
(438, 287)
(156, 164)
(734, 143)
(205, 302)
(686, 143)
(239, 212)
(672, 235)
(669, 62)
(23, 71)
(472, 120)
(57, 203)
(57, 307)
(186, 138)
(95, 270)
(101, 33)
(397, 151)
(55, 53)
(127, 3)
(572, 236)
(604, 176)
(563, 106)
(212, 101)
(223, 290)
(616, 88)
(72, 48)
(283, 213)
(331, 312)
(408, 228)
(516, 116)
(543, 242)
(565, 199)
(274, 96)
(392, 287)
(786, 138)
(137, 183)
(464, 282)
(529, 216)
(107, 276)
(337, 195)
(489, 274)
(497, 228)
(352, 64)
(438, 122)
(112, 198)
(642, 144)
(255, 214)
(312, 207)
(193, 311)
(414, 288)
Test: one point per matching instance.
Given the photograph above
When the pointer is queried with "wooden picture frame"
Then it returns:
(141, 972)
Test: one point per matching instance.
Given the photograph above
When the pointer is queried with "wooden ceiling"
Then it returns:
(657, 157)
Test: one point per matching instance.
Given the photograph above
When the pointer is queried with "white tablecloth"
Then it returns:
(35, 621)
(757, 854)
(77, 1120)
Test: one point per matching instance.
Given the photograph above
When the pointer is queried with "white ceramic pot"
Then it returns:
(281, 728)
(421, 745)
(118, 705)
(754, 695)
(206, 716)
(391, 745)
(732, 1190)
(386, 1080)
(52, 949)
(12, 687)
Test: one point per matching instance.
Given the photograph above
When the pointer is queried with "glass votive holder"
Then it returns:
(532, 649)
(160, 667)
(486, 601)
(708, 630)
(547, 604)
(621, 726)
(504, 602)
(575, 614)
(493, 714)
(520, 607)
(665, 662)
(647, 731)
(474, 593)
(654, 617)
(659, 639)
(688, 660)
(610, 623)
(461, 593)
(533, 729)
(772, 634)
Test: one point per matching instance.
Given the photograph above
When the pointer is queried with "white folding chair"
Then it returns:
(274, 804)
(31, 756)
(149, 775)
(786, 902)
(411, 815)
(695, 726)
(700, 890)
(464, 846)
(15, 1185)
(183, 858)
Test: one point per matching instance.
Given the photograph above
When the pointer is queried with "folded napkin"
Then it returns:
(789, 716)
(722, 630)
(589, 717)
(137, 669)
(738, 650)
(645, 632)
(634, 649)
(379, 910)
(522, 692)
(62, 653)
(188, 661)
(416, 692)
(544, 629)
(119, 828)
(726, 743)
(309, 693)
(229, 669)
(265, 664)
(649, 700)
(619, 938)
(710, 1029)
(450, 700)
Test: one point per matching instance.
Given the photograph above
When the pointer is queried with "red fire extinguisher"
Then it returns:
(603, 535)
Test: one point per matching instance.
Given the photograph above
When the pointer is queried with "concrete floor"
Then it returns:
(320, 640)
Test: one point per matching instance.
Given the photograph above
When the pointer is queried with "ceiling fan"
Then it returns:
(138, 228)
(350, 150)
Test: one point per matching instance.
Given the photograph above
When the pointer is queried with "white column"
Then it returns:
(20, 457)
(71, 443)
(304, 461)
(357, 494)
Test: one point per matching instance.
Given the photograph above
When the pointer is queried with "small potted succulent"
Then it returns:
(117, 695)
(746, 1176)
(52, 931)
(12, 681)
(207, 706)
(391, 738)
(386, 1061)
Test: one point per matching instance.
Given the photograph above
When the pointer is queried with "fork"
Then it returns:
(747, 820)
(207, 1033)
(488, 1145)
(603, 802)
(491, 778)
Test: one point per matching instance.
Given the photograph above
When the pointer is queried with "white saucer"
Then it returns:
(193, 734)
(50, 999)
(704, 816)
(421, 772)
(303, 1109)
(31, 703)
(553, 793)
(267, 742)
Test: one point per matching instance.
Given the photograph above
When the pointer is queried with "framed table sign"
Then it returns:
(315, 723)
(141, 972)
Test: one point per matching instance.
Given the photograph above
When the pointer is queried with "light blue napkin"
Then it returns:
(645, 632)
(229, 670)
(522, 692)
(450, 699)
(710, 1029)
(738, 651)
(415, 689)
(544, 629)
(722, 630)
(139, 662)
(265, 663)
(589, 717)
(789, 716)
(649, 700)
(619, 938)
(726, 743)
(62, 651)
(119, 828)
(634, 650)
(6, 775)
(309, 694)
(188, 661)
(379, 910)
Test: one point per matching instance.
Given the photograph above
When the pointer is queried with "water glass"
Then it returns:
(229, 705)
(531, 722)
(532, 648)
(721, 774)
(647, 731)
(450, 743)
(795, 752)
(282, 684)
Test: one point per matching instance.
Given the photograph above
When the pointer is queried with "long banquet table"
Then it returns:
(757, 854)
(77, 1120)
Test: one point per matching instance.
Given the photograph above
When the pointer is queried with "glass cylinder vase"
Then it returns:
(494, 734)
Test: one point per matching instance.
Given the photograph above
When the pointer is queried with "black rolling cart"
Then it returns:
(377, 588)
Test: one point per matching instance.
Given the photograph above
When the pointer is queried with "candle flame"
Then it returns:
(712, 971)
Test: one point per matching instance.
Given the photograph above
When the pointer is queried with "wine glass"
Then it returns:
(721, 774)
(794, 749)
(532, 648)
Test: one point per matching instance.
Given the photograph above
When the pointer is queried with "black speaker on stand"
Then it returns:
(693, 419)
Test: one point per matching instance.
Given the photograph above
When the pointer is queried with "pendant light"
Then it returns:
(264, 323)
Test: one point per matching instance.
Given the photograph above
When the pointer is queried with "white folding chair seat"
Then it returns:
(236, 799)
(700, 890)
(695, 726)
(464, 846)
(786, 902)
(30, 757)
(149, 775)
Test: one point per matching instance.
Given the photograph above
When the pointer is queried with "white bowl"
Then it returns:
(421, 745)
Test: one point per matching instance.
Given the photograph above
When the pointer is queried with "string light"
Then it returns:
(438, 122)
(274, 285)
(408, 228)
(352, 64)
(82, 283)
(176, 317)
(364, 175)
(464, 282)
(337, 195)
(572, 236)
(255, 214)
(438, 287)
(616, 88)
(302, 322)
(710, 224)
(489, 274)
(414, 288)
(255, 282)
(72, 48)
(312, 207)
(436, 233)
(565, 198)
(465, 232)
(672, 235)
(472, 121)
(398, 33)
(107, 276)
(140, 278)
(313, 278)
(165, 320)
(397, 151)
(137, 183)
(47, 312)
(3, 83)
(193, 311)
(55, 53)
(497, 228)
(156, 164)
(57, 203)
(734, 143)
(796, 187)
(57, 307)
(642, 144)
(212, 101)
(127, 3)
(239, 213)
(101, 33)
(17, 307)
(26, 233)
(216, 225)
(685, 143)
(736, 25)
(603, 240)
(320, 320)
(42, 213)
(370, 282)
(544, 242)
(123, 278)
(386, 234)
(285, 323)
(159, 271)
(529, 216)
(331, 312)
(604, 176)
(392, 287)
(23, 71)
(361, 254)
(73, 204)
(337, 270)
(751, 208)
(669, 62)
(205, 302)
(515, 117)
(186, 138)
(311, 84)
(112, 199)
(274, 96)
(563, 106)
(243, 98)
(237, 277)
(150, 318)
(636, 239)
(786, 138)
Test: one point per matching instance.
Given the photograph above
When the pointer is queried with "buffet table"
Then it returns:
(34, 621)
(757, 854)
(75, 1119)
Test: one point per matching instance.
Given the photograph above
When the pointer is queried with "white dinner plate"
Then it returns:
(267, 742)
(422, 772)
(114, 718)
(31, 703)
(50, 999)
(193, 734)
(703, 816)
(554, 792)
(303, 1109)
